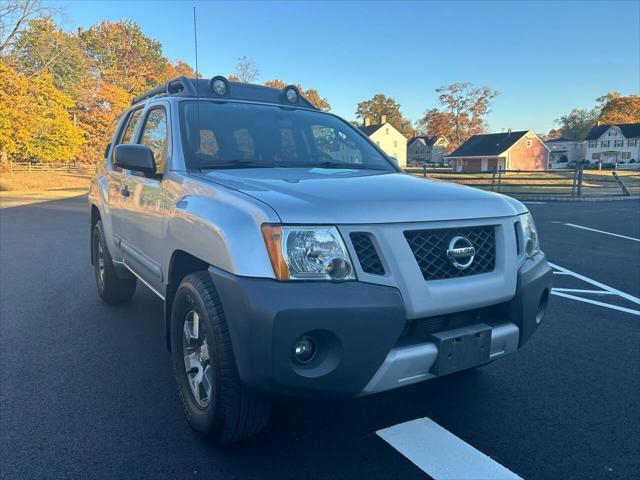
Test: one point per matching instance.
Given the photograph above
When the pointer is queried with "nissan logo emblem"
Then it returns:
(461, 252)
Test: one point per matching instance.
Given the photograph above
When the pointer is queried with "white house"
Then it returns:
(563, 150)
(614, 143)
(388, 138)
(422, 149)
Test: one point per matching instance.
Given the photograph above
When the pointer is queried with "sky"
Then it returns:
(544, 58)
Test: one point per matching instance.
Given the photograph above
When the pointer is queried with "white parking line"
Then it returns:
(581, 290)
(441, 454)
(595, 302)
(595, 283)
(601, 231)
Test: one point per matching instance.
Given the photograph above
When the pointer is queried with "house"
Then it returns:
(422, 149)
(521, 150)
(388, 138)
(563, 150)
(614, 143)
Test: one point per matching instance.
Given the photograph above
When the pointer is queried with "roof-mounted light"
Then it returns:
(291, 94)
(219, 85)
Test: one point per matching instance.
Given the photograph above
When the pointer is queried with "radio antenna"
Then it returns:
(195, 42)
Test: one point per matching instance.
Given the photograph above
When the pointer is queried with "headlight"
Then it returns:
(530, 235)
(307, 253)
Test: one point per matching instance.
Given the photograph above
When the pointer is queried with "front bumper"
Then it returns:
(360, 330)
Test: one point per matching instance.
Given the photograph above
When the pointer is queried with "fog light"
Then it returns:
(304, 350)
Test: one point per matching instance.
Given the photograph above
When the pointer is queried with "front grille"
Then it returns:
(430, 249)
(367, 254)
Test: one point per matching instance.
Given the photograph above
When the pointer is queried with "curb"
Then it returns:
(543, 198)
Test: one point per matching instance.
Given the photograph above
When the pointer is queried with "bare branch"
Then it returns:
(13, 16)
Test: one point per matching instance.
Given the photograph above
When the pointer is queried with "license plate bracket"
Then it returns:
(461, 348)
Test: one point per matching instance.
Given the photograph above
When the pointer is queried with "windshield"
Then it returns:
(237, 135)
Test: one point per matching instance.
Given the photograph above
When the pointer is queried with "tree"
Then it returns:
(123, 56)
(462, 115)
(43, 47)
(246, 70)
(577, 123)
(98, 107)
(435, 123)
(380, 105)
(310, 94)
(14, 14)
(15, 122)
(180, 68)
(614, 108)
(34, 118)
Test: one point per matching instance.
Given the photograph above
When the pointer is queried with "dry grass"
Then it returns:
(42, 182)
(594, 183)
(25, 188)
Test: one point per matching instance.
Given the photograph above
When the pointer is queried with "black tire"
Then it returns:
(234, 411)
(113, 287)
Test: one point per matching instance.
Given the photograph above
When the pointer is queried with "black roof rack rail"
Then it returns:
(175, 85)
(203, 88)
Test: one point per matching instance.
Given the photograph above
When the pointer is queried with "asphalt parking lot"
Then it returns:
(87, 389)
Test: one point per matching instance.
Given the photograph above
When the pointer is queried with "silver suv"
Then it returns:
(294, 257)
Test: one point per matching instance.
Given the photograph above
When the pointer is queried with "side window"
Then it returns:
(127, 135)
(154, 136)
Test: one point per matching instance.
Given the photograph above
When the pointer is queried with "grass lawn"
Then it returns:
(24, 188)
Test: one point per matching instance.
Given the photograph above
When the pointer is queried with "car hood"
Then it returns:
(330, 196)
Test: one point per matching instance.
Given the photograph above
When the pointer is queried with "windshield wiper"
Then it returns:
(346, 166)
(236, 164)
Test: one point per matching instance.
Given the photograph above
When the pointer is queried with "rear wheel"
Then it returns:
(112, 286)
(215, 400)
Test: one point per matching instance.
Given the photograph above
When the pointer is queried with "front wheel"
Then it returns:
(215, 400)
(112, 288)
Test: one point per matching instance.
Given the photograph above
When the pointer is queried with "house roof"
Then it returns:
(429, 142)
(371, 129)
(560, 139)
(490, 145)
(629, 130)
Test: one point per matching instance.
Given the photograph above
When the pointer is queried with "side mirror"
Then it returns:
(137, 158)
(106, 150)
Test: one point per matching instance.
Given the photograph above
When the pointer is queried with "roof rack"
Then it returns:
(175, 85)
(205, 88)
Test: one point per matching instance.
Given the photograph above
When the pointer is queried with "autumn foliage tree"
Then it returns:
(610, 109)
(61, 92)
(462, 113)
(34, 118)
(380, 105)
(615, 108)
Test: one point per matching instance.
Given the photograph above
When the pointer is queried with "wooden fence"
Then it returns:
(555, 183)
(68, 167)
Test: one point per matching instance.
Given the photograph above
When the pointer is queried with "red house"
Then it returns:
(501, 151)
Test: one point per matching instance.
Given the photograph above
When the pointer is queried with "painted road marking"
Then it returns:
(595, 283)
(604, 290)
(581, 290)
(440, 454)
(601, 231)
(595, 302)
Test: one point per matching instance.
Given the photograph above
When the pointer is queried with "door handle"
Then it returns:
(124, 191)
